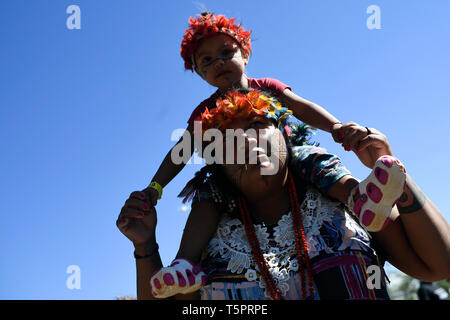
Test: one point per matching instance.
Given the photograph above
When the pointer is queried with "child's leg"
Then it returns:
(184, 275)
(200, 227)
(372, 199)
(342, 189)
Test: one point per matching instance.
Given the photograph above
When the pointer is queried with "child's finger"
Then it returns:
(338, 133)
(350, 135)
(344, 130)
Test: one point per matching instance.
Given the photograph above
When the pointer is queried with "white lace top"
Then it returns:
(328, 229)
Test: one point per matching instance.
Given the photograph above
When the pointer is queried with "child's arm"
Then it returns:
(168, 170)
(309, 112)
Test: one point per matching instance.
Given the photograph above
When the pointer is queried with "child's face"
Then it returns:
(219, 61)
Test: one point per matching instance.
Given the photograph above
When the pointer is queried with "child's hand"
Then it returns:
(152, 195)
(337, 132)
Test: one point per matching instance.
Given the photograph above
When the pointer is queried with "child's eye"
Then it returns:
(257, 124)
(227, 52)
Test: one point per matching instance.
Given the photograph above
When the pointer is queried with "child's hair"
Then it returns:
(206, 25)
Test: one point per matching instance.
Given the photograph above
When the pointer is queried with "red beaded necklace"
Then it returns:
(300, 244)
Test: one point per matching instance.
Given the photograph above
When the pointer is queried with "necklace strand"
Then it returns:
(300, 244)
(305, 257)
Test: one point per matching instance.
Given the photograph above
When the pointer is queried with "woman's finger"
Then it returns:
(137, 204)
(139, 195)
(128, 212)
(122, 224)
(356, 137)
(371, 140)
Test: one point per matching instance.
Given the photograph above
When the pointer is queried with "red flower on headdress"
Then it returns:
(207, 24)
(234, 105)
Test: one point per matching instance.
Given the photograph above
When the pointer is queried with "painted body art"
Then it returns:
(412, 199)
(228, 52)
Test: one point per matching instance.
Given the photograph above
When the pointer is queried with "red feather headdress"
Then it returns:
(208, 24)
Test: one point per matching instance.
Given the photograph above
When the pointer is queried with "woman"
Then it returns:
(284, 240)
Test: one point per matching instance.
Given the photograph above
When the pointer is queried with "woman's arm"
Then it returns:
(137, 221)
(146, 267)
(417, 241)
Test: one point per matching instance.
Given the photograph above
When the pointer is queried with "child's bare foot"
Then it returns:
(180, 277)
(373, 198)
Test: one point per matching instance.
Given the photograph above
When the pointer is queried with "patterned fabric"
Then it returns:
(315, 165)
(338, 247)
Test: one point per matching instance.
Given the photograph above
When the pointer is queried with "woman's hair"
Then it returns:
(213, 180)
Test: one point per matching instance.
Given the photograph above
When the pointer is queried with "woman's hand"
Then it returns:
(137, 219)
(368, 144)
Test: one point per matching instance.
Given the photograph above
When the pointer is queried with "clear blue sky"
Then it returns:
(86, 115)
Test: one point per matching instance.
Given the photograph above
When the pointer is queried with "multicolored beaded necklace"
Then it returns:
(300, 244)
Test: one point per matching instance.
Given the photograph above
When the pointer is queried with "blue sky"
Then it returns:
(86, 115)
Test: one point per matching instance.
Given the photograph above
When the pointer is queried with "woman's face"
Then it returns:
(259, 151)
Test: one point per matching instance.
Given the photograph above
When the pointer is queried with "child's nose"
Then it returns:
(218, 62)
